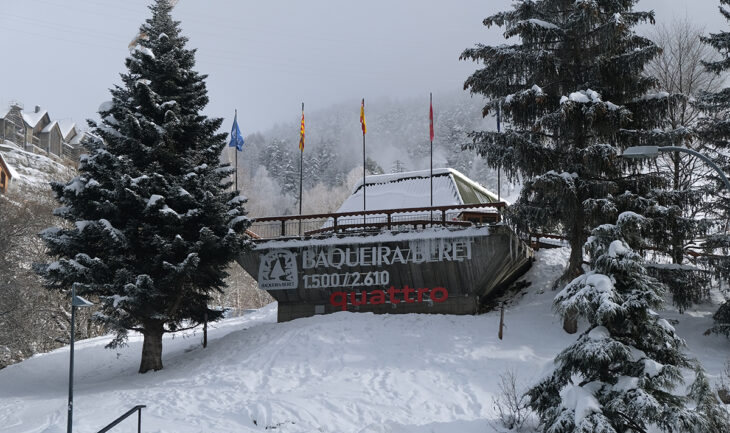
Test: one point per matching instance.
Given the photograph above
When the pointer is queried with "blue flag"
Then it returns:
(236, 138)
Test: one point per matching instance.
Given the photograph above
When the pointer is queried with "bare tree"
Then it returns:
(32, 319)
(682, 211)
(512, 402)
(680, 70)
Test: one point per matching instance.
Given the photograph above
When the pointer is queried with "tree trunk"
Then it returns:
(575, 268)
(677, 244)
(152, 348)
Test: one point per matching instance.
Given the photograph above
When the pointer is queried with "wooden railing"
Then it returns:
(306, 225)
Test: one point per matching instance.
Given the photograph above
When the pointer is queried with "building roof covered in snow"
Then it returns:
(33, 117)
(413, 190)
(50, 127)
(67, 126)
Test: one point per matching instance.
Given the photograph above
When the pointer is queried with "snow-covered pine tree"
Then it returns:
(715, 129)
(280, 160)
(574, 94)
(154, 220)
(624, 371)
(372, 167)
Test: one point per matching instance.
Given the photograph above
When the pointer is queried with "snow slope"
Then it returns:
(338, 373)
(31, 169)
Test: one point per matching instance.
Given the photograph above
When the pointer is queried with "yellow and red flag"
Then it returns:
(301, 132)
(362, 118)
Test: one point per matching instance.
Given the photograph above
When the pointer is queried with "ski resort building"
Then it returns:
(388, 249)
(34, 131)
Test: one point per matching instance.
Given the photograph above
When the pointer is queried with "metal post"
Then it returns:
(501, 321)
(431, 139)
(69, 427)
(499, 169)
(364, 169)
(301, 179)
(235, 152)
(205, 329)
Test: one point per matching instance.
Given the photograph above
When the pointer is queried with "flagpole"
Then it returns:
(364, 207)
(430, 134)
(234, 155)
(235, 152)
(301, 172)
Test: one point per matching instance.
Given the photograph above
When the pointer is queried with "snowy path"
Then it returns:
(338, 373)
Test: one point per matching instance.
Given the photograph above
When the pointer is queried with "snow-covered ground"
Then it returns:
(344, 372)
(30, 169)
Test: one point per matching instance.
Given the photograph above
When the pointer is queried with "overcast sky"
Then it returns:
(262, 57)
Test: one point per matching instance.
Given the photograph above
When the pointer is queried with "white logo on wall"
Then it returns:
(278, 271)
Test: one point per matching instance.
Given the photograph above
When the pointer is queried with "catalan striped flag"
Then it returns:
(301, 132)
(362, 118)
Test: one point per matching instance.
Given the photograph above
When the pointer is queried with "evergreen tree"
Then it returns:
(154, 221)
(372, 167)
(716, 131)
(574, 95)
(622, 373)
(278, 158)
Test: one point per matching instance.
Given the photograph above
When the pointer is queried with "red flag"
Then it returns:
(430, 116)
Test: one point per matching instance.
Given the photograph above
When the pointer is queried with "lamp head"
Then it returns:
(78, 301)
(639, 152)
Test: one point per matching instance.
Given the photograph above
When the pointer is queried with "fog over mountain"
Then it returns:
(264, 58)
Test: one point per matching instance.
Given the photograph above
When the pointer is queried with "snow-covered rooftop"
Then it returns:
(32, 117)
(413, 190)
(49, 127)
(66, 126)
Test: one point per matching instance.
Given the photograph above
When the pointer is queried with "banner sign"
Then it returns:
(341, 266)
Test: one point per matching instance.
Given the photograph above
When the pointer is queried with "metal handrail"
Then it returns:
(123, 417)
(391, 217)
(497, 205)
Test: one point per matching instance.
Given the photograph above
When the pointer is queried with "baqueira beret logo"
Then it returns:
(278, 271)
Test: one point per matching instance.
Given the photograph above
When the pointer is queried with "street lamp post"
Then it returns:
(639, 152)
(76, 301)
